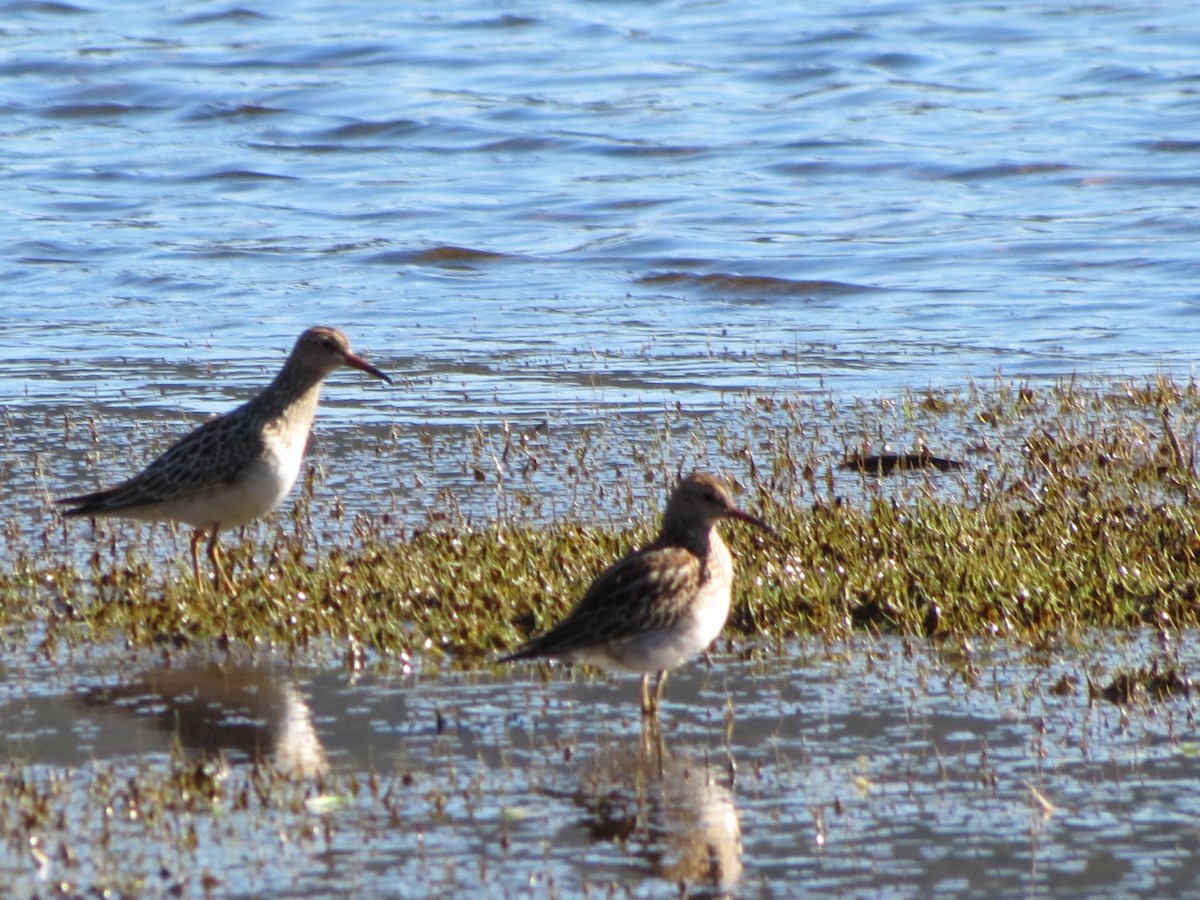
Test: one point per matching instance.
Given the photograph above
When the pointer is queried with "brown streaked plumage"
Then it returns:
(238, 466)
(659, 605)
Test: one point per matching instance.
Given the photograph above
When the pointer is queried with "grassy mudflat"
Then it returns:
(1075, 509)
(335, 728)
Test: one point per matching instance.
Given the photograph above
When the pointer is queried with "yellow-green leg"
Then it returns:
(196, 536)
(214, 556)
(650, 700)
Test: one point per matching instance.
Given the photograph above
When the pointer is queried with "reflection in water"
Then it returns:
(213, 708)
(670, 809)
(879, 769)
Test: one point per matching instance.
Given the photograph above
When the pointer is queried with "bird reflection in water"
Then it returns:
(672, 810)
(214, 708)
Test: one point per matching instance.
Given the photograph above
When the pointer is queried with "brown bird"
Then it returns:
(237, 467)
(656, 607)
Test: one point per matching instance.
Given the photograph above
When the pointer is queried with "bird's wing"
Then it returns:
(213, 453)
(644, 591)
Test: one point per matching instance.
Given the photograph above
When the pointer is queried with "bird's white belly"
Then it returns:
(260, 488)
(667, 648)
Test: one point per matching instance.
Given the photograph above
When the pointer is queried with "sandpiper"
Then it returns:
(657, 606)
(236, 467)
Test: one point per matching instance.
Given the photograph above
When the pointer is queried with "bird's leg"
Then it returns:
(658, 689)
(214, 554)
(196, 536)
(649, 700)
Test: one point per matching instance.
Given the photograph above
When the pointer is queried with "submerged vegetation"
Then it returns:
(1075, 509)
(1051, 513)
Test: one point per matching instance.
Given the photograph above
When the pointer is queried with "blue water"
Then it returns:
(879, 768)
(608, 215)
(887, 193)
(556, 211)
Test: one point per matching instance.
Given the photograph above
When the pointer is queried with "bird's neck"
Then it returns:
(292, 398)
(700, 540)
(297, 377)
(287, 421)
(302, 409)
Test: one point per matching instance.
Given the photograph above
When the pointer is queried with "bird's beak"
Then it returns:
(743, 516)
(357, 362)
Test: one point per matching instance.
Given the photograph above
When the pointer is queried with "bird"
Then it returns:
(239, 466)
(659, 605)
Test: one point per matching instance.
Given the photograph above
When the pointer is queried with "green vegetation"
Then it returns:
(1075, 513)
(1076, 510)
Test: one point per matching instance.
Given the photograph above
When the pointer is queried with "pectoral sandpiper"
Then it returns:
(239, 466)
(656, 607)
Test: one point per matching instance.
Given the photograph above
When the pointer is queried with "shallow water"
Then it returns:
(588, 215)
(879, 767)
(615, 219)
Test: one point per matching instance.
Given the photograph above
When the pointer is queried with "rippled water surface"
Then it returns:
(609, 219)
(624, 199)
(557, 211)
(846, 770)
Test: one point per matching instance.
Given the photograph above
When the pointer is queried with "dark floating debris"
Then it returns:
(1147, 683)
(887, 463)
(1065, 686)
(749, 285)
(444, 255)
